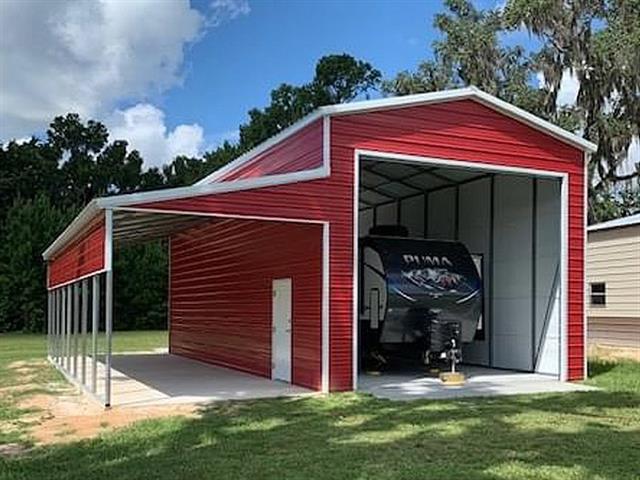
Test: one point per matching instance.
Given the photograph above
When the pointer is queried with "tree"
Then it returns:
(338, 79)
(597, 40)
(27, 169)
(342, 78)
(470, 53)
(29, 227)
(140, 281)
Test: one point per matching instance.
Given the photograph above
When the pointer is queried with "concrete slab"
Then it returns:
(161, 379)
(480, 382)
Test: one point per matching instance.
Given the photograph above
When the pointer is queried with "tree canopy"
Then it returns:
(595, 42)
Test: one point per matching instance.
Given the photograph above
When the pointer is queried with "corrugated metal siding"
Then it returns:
(466, 130)
(220, 285)
(301, 152)
(329, 200)
(82, 257)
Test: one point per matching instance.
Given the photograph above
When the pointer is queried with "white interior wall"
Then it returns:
(475, 232)
(365, 222)
(547, 258)
(511, 317)
(387, 214)
(441, 214)
(412, 215)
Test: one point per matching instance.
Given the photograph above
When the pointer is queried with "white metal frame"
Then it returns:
(443, 162)
(585, 333)
(326, 304)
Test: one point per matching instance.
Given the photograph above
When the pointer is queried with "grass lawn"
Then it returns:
(586, 435)
(22, 358)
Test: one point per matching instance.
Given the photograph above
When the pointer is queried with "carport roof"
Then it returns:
(209, 185)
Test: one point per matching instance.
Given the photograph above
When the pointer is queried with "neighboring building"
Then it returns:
(263, 273)
(613, 286)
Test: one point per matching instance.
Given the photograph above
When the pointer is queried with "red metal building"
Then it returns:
(294, 207)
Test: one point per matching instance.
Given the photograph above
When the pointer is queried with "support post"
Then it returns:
(65, 327)
(60, 317)
(83, 334)
(95, 325)
(56, 320)
(49, 328)
(75, 327)
(108, 299)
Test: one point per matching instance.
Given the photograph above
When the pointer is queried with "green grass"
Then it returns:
(586, 435)
(37, 376)
(139, 341)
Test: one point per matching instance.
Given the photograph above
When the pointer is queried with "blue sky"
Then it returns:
(236, 66)
(175, 77)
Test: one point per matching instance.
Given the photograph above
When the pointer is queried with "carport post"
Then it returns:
(49, 324)
(108, 326)
(108, 307)
(85, 308)
(75, 327)
(56, 318)
(95, 311)
(67, 327)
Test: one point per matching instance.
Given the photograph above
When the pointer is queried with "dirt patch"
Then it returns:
(55, 412)
(67, 418)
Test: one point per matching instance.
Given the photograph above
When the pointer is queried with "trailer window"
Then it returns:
(598, 294)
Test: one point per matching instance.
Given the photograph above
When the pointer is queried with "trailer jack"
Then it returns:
(453, 354)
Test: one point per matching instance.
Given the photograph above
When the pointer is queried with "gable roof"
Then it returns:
(210, 185)
(617, 223)
(468, 93)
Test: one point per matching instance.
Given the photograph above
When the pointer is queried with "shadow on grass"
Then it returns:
(579, 435)
(599, 367)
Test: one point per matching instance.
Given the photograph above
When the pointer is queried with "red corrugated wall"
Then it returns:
(82, 257)
(460, 130)
(329, 200)
(221, 276)
(300, 152)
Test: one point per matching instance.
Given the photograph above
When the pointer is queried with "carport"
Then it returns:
(81, 322)
(264, 251)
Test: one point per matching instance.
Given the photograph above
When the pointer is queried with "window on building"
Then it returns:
(598, 294)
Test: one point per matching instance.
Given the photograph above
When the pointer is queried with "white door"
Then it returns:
(281, 330)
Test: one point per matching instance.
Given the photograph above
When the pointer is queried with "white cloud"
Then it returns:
(83, 56)
(222, 10)
(143, 126)
(569, 88)
(87, 56)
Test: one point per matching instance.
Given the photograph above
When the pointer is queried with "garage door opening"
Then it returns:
(509, 221)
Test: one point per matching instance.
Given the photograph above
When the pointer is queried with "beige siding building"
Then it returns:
(613, 286)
